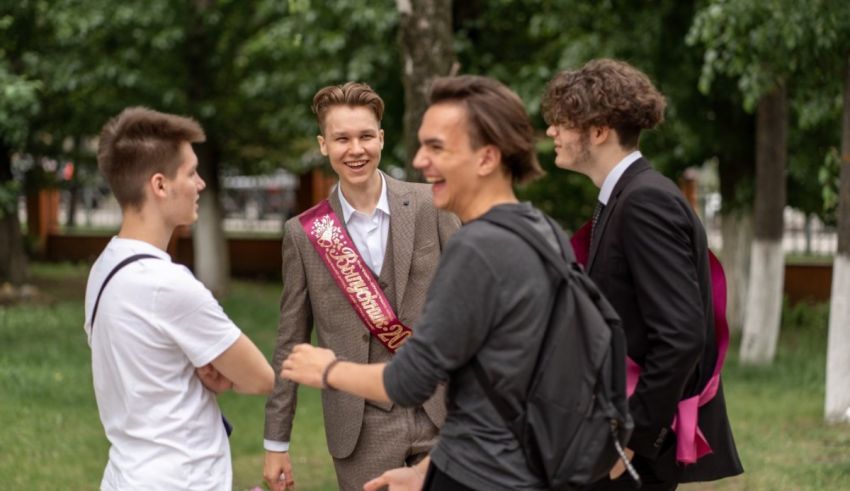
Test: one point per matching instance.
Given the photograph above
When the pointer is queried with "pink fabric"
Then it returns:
(632, 375)
(581, 243)
(347, 268)
(690, 441)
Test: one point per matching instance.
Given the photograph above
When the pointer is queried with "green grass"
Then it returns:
(777, 413)
(802, 258)
(50, 434)
(51, 438)
(254, 307)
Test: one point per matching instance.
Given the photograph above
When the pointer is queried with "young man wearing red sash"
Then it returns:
(356, 268)
(489, 304)
(646, 250)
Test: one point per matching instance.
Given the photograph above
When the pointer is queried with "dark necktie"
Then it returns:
(596, 212)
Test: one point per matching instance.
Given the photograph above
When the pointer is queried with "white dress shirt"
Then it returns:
(369, 232)
(614, 176)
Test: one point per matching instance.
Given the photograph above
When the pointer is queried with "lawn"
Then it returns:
(51, 437)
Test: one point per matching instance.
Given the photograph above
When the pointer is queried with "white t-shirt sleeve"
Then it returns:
(194, 319)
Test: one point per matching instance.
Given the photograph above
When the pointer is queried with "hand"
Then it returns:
(619, 468)
(306, 365)
(213, 379)
(400, 479)
(277, 471)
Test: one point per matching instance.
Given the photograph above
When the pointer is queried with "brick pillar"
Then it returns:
(688, 184)
(42, 216)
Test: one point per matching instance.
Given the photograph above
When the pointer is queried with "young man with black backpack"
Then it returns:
(488, 310)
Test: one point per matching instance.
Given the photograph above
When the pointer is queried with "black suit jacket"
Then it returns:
(649, 257)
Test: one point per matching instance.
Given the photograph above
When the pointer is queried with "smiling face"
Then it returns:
(446, 158)
(572, 148)
(183, 190)
(352, 140)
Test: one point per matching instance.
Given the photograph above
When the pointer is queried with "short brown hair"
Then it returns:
(608, 93)
(496, 117)
(349, 94)
(138, 143)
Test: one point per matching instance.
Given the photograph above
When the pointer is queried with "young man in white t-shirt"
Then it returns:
(162, 346)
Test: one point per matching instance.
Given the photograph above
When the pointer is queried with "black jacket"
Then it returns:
(650, 259)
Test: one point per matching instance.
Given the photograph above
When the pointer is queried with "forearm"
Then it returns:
(366, 381)
(245, 366)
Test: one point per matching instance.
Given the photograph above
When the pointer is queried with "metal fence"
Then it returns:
(804, 235)
(261, 204)
(251, 204)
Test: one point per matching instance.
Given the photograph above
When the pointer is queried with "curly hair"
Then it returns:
(138, 143)
(350, 94)
(604, 92)
(496, 117)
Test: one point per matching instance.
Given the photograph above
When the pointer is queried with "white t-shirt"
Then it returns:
(155, 324)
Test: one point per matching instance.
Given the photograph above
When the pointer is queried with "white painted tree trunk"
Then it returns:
(737, 229)
(764, 302)
(212, 260)
(767, 266)
(838, 350)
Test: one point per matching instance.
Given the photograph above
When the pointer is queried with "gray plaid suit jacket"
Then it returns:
(311, 299)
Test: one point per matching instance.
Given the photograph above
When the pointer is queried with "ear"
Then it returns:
(381, 138)
(157, 185)
(322, 147)
(490, 160)
(600, 134)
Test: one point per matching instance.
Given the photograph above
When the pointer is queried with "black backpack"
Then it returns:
(575, 418)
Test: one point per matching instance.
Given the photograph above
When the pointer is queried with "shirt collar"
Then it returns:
(614, 176)
(383, 203)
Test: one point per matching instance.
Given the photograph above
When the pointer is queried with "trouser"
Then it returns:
(437, 480)
(388, 439)
(649, 481)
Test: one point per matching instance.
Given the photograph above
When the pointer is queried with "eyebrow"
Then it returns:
(336, 134)
(433, 141)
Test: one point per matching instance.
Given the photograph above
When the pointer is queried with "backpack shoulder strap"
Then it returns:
(533, 238)
(536, 241)
(117, 268)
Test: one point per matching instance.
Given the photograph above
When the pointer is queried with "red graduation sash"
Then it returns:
(354, 279)
(690, 441)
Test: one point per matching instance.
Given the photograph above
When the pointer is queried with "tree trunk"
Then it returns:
(209, 244)
(736, 171)
(73, 199)
(212, 259)
(767, 267)
(74, 184)
(737, 230)
(425, 38)
(837, 359)
(13, 259)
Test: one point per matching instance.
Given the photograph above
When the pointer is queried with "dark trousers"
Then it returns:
(437, 480)
(649, 481)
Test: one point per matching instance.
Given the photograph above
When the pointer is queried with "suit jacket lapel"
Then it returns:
(639, 166)
(402, 220)
(333, 199)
